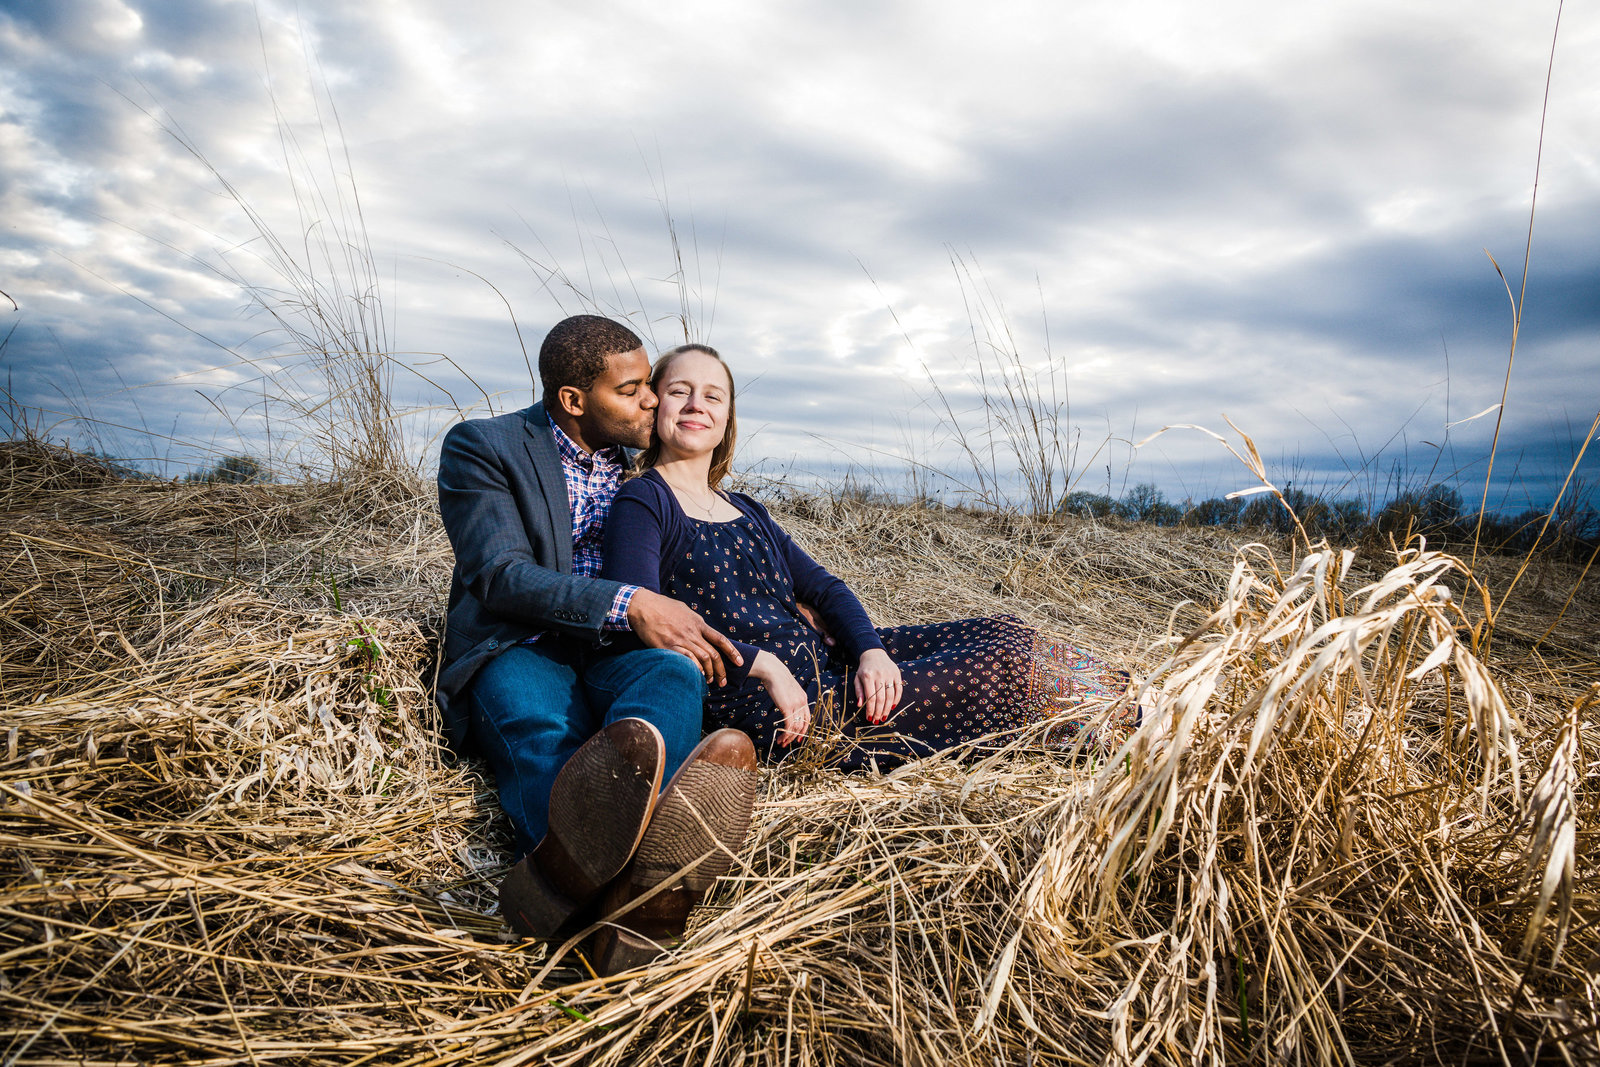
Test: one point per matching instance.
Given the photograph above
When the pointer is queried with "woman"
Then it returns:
(898, 693)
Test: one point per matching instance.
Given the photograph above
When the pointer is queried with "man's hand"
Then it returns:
(879, 686)
(814, 621)
(662, 622)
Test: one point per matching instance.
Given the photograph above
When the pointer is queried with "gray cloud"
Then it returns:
(1281, 221)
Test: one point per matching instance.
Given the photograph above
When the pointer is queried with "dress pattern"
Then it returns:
(963, 679)
(1080, 688)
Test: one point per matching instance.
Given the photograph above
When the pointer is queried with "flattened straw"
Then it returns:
(1358, 888)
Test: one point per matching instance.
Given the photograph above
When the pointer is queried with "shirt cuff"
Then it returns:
(617, 617)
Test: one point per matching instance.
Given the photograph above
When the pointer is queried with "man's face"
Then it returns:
(619, 409)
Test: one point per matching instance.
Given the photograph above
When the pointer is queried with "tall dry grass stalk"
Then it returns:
(1519, 299)
(607, 286)
(1291, 860)
(1010, 421)
(329, 376)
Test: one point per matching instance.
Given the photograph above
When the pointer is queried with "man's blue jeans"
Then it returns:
(533, 705)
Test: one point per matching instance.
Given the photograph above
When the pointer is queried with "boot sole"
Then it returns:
(600, 805)
(704, 815)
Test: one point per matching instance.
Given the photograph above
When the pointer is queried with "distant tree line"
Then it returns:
(233, 470)
(1437, 512)
(229, 470)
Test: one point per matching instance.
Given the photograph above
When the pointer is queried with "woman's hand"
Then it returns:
(879, 686)
(788, 696)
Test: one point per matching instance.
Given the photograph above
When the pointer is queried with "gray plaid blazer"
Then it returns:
(503, 498)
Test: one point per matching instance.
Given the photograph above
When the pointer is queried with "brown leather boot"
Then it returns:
(599, 807)
(700, 820)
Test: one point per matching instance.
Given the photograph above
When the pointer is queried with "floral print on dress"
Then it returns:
(963, 679)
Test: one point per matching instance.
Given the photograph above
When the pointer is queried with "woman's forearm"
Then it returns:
(766, 667)
(786, 693)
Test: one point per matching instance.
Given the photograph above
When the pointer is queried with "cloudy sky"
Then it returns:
(1160, 212)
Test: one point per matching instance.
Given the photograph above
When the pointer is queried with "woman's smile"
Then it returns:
(693, 412)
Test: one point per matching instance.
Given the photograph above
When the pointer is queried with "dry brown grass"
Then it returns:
(229, 836)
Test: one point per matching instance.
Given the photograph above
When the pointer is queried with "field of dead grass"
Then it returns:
(1351, 829)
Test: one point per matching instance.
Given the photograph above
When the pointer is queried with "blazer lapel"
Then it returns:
(552, 482)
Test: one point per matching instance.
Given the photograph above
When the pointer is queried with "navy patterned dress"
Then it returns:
(962, 679)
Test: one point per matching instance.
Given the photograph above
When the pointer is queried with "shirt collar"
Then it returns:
(610, 455)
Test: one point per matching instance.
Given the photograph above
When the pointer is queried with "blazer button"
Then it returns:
(493, 644)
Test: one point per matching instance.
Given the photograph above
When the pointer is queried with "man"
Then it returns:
(580, 736)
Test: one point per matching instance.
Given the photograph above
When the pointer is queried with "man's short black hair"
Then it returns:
(575, 350)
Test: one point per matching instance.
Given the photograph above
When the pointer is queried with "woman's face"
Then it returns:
(693, 412)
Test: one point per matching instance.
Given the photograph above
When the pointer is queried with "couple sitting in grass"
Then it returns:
(602, 618)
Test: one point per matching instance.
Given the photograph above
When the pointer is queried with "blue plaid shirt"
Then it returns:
(592, 480)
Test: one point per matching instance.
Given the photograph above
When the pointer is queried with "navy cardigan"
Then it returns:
(647, 532)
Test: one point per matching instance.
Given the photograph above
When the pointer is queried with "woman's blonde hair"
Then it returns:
(722, 455)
